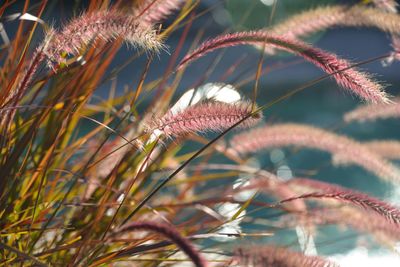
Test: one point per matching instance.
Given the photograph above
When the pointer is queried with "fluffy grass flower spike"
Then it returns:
(283, 135)
(387, 5)
(105, 25)
(153, 11)
(326, 190)
(374, 112)
(204, 116)
(277, 256)
(119, 158)
(355, 81)
(322, 18)
(170, 233)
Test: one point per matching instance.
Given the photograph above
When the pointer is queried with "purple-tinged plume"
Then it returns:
(373, 112)
(205, 116)
(386, 5)
(330, 191)
(277, 256)
(105, 25)
(361, 220)
(284, 135)
(322, 18)
(173, 235)
(153, 11)
(355, 81)
(387, 149)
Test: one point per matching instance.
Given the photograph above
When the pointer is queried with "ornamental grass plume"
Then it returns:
(362, 221)
(384, 17)
(387, 5)
(100, 25)
(204, 116)
(374, 112)
(283, 135)
(263, 255)
(355, 81)
(322, 18)
(154, 11)
(380, 223)
(82, 183)
(172, 234)
(388, 149)
(330, 191)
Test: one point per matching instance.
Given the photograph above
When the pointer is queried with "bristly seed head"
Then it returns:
(104, 25)
(205, 116)
(331, 191)
(341, 70)
(372, 112)
(291, 134)
(154, 11)
(277, 256)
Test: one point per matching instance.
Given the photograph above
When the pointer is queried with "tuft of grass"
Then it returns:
(86, 181)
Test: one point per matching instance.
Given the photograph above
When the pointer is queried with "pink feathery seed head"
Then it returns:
(322, 18)
(378, 223)
(277, 256)
(355, 81)
(330, 191)
(153, 11)
(172, 234)
(310, 21)
(205, 116)
(283, 135)
(388, 149)
(372, 112)
(386, 5)
(104, 25)
(358, 219)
